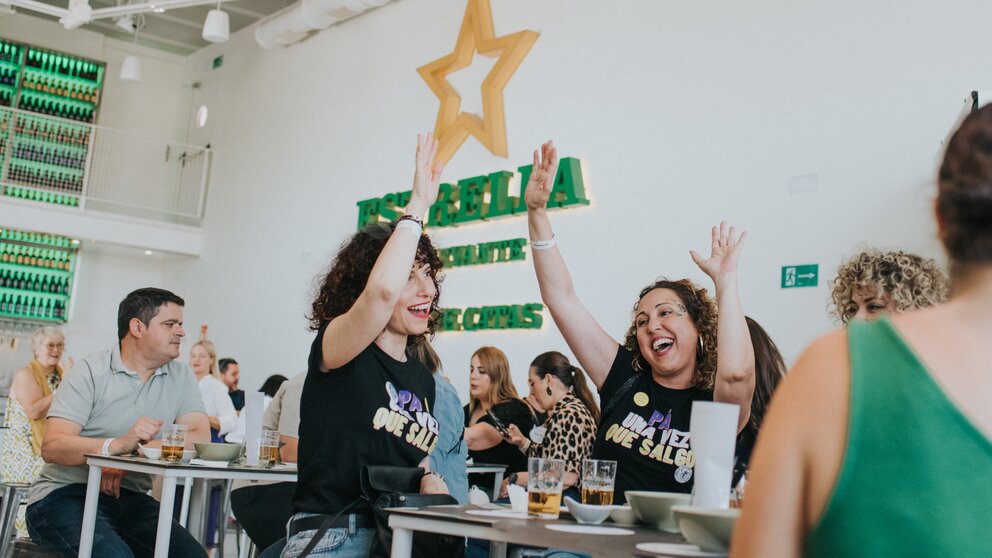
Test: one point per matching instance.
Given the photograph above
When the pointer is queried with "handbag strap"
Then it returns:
(617, 395)
(324, 528)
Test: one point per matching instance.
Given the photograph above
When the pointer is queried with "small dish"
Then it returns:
(708, 528)
(655, 508)
(588, 514)
(623, 515)
(156, 453)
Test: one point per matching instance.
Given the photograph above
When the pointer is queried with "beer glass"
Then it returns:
(544, 483)
(268, 448)
(173, 442)
(598, 478)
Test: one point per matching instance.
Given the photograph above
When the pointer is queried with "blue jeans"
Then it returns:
(350, 542)
(125, 526)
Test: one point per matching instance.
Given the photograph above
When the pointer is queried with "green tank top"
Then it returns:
(917, 474)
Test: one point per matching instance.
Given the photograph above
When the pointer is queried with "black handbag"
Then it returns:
(384, 487)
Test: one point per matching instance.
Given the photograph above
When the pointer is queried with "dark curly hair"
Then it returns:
(702, 310)
(341, 286)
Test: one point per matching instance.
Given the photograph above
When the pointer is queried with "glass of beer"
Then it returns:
(598, 479)
(173, 442)
(268, 448)
(544, 482)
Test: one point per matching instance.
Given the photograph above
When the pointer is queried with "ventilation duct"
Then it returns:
(297, 21)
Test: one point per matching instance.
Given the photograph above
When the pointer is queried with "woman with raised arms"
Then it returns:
(669, 356)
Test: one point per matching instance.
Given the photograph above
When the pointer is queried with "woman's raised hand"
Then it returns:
(427, 176)
(724, 253)
(542, 176)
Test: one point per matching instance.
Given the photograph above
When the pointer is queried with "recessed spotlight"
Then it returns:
(75, 241)
(148, 252)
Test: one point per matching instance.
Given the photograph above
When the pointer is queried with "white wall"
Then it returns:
(683, 113)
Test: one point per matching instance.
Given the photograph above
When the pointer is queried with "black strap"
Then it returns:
(612, 403)
(324, 527)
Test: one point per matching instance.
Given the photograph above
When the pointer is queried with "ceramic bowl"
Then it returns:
(655, 508)
(707, 528)
(219, 451)
(623, 515)
(587, 513)
(156, 453)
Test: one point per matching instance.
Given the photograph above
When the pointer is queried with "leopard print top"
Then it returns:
(570, 436)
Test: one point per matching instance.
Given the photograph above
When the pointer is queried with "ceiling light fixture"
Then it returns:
(131, 68)
(217, 26)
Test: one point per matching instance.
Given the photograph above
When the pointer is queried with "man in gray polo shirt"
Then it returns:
(113, 401)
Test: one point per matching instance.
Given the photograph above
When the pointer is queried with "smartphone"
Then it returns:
(498, 424)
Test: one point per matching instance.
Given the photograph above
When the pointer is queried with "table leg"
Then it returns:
(89, 511)
(497, 549)
(497, 485)
(402, 544)
(164, 531)
(196, 524)
(184, 507)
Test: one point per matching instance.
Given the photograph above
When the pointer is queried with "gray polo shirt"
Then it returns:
(106, 399)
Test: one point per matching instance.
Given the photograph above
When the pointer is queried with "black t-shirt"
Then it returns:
(374, 410)
(647, 432)
(510, 412)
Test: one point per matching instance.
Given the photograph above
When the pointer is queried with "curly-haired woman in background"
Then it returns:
(876, 282)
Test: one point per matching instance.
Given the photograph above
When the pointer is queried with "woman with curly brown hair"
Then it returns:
(874, 282)
(669, 357)
(366, 400)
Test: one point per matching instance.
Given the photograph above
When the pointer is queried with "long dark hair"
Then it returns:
(349, 273)
(556, 364)
(769, 370)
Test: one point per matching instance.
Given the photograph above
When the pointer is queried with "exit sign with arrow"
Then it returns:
(800, 275)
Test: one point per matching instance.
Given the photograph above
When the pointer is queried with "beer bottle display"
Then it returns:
(37, 271)
(58, 97)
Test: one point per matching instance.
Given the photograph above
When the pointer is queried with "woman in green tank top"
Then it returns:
(879, 443)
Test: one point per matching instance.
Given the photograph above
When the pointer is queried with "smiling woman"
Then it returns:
(669, 357)
(366, 400)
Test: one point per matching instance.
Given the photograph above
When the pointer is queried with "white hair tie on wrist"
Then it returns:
(543, 244)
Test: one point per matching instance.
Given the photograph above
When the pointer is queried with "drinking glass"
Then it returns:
(544, 482)
(598, 479)
(268, 448)
(173, 442)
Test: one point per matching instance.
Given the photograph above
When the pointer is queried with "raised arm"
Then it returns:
(594, 348)
(735, 357)
(350, 333)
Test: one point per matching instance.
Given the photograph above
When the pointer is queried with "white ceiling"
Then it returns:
(177, 31)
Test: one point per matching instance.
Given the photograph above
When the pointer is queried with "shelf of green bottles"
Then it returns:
(43, 155)
(37, 272)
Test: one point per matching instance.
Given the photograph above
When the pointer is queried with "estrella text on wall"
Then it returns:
(480, 197)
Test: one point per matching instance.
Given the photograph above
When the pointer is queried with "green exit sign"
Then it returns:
(800, 275)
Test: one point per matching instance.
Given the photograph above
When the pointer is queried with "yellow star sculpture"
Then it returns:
(476, 35)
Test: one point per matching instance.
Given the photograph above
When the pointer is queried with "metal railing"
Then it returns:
(80, 166)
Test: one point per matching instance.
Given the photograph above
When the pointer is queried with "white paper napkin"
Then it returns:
(208, 463)
(518, 498)
(713, 435)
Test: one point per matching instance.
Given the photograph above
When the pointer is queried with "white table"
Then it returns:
(531, 532)
(489, 468)
(170, 473)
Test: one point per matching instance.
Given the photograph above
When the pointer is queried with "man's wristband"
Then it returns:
(106, 446)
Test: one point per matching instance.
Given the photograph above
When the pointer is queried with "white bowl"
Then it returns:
(587, 513)
(156, 453)
(708, 528)
(623, 515)
(655, 508)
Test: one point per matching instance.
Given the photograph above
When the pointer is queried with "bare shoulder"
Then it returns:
(23, 383)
